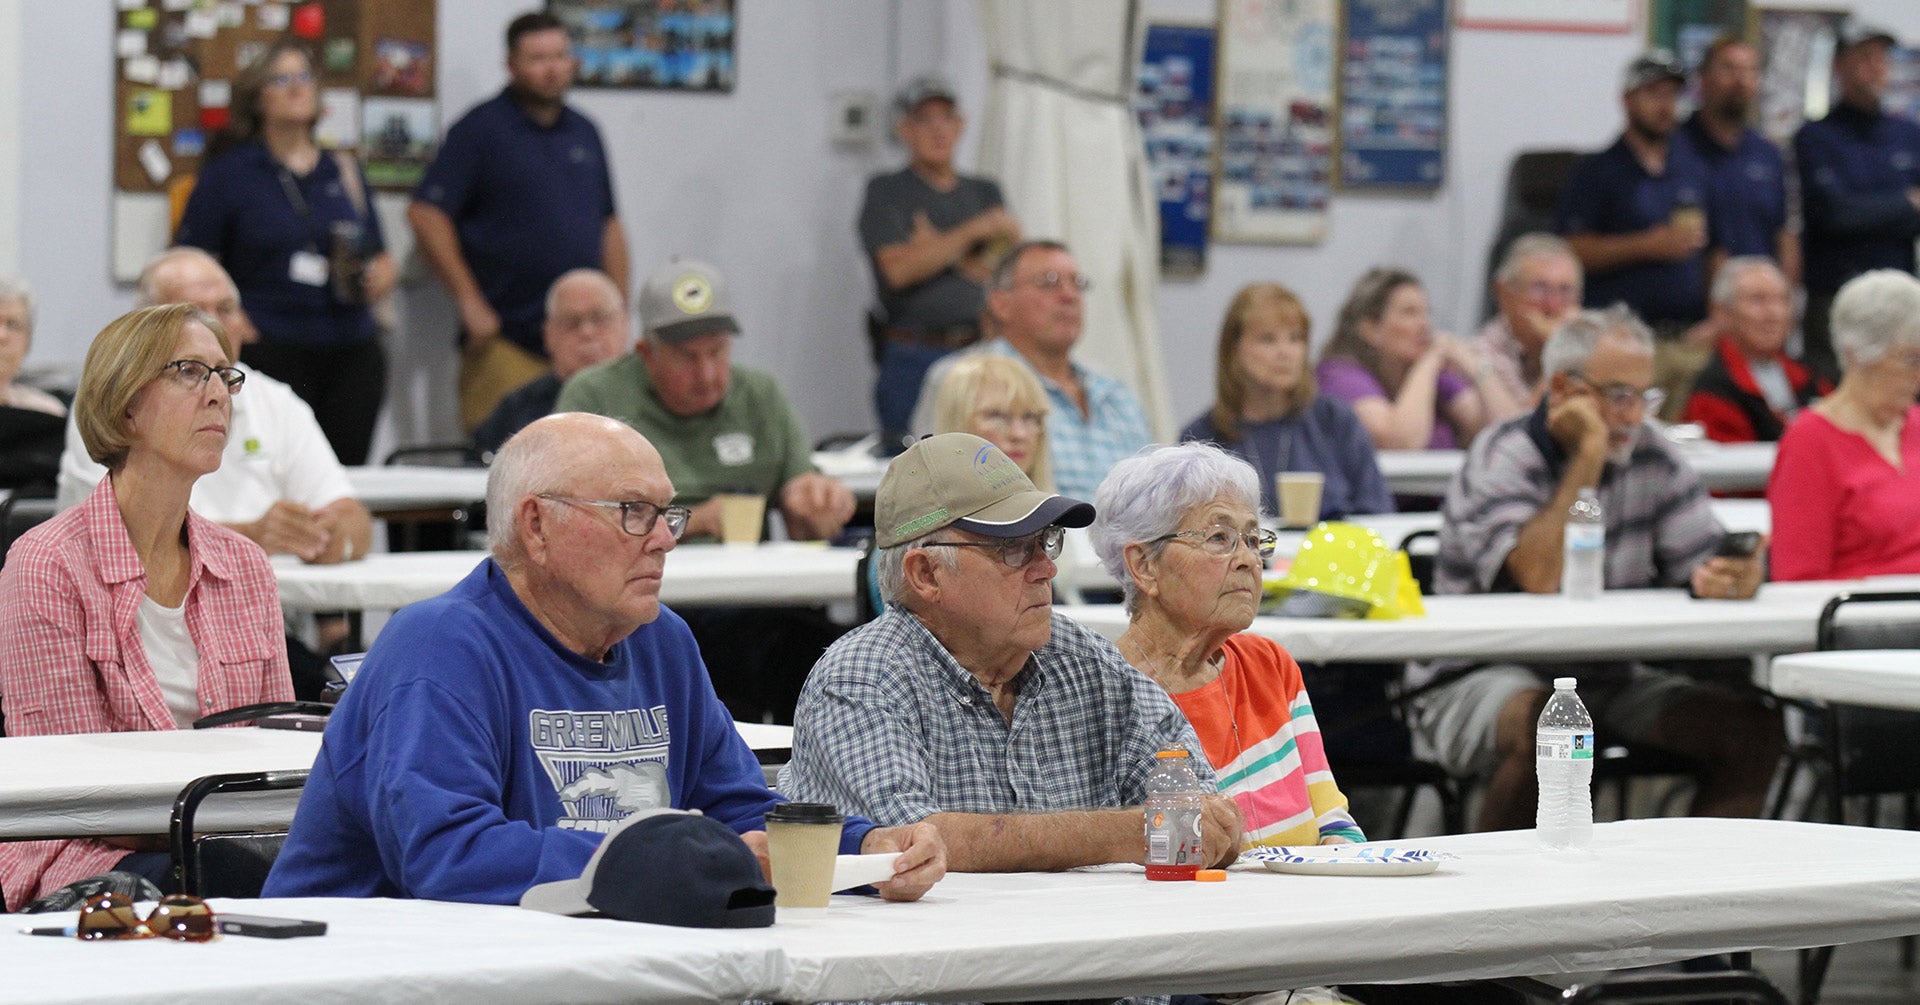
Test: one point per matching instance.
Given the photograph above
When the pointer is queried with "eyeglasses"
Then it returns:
(111, 916)
(1002, 419)
(591, 319)
(290, 79)
(636, 517)
(1555, 293)
(1019, 551)
(1219, 540)
(1621, 397)
(1051, 281)
(192, 373)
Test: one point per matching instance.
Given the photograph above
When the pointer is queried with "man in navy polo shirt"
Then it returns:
(1635, 213)
(1859, 184)
(519, 194)
(1747, 197)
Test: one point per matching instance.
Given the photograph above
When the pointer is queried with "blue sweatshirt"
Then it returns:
(475, 756)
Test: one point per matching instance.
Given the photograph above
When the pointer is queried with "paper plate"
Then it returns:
(850, 871)
(1349, 860)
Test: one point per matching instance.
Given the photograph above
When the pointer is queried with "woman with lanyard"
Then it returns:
(291, 223)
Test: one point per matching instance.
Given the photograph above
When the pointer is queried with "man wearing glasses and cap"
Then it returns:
(931, 235)
(1636, 215)
(495, 732)
(969, 704)
(1502, 531)
(1859, 184)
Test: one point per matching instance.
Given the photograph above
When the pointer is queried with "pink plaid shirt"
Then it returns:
(71, 659)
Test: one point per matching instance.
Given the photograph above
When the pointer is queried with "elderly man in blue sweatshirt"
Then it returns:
(495, 732)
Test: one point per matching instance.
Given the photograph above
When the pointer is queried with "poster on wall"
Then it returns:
(659, 44)
(1276, 133)
(1607, 16)
(1796, 82)
(1686, 26)
(1175, 106)
(1393, 94)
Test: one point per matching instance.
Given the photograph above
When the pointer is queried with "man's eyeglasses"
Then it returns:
(638, 516)
(1219, 540)
(1051, 281)
(111, 916)
(1621, 397)
(193, 373)
(1550, 293)
(1017, 552)
(591, 319)
(290, 79)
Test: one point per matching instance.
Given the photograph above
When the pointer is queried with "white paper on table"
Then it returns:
(155, 161)
(141, 69)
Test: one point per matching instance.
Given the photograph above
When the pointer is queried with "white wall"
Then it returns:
(750, 181)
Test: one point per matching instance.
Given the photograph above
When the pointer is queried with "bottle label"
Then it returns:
(1586, 536)
(1564, 746)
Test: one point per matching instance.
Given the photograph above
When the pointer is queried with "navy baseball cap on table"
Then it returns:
(666, 867)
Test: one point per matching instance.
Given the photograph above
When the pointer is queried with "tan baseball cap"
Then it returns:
(961, 480)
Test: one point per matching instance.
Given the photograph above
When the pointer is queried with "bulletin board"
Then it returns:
(1393, 95)
(1174, 103)
(1276, 112)
(174, 63)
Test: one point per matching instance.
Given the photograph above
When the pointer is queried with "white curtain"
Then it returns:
(1060, 136)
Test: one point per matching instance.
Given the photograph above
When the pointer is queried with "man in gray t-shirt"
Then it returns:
(931, 234)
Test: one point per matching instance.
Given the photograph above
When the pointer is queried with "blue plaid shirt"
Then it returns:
(891, 727)
(1084, 449)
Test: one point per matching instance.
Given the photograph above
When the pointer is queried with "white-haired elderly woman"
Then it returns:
(1845, 488)
(16, 337)
(1179, 528)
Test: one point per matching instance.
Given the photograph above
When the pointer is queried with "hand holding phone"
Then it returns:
(1738, 544)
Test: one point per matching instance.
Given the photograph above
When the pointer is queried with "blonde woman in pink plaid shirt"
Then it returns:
(128, 612)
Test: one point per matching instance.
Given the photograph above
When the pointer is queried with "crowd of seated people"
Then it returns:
(179, 488)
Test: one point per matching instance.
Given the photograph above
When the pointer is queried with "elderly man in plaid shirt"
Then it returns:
(1021, 735)
(1504, 522)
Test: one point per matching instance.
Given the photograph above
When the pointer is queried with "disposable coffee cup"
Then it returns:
(741, 515)
(1299, 494)
(803, 843)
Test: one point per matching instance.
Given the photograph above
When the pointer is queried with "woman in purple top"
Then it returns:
(1267, 410)
(1403, 380)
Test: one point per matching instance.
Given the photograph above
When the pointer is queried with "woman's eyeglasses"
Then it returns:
(193, 373)
(111, 916)
(1220, 540)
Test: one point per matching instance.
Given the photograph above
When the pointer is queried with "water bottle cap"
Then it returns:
(1175, 752)
(1565, 683)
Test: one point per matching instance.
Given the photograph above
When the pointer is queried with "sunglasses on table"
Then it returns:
(111, 917)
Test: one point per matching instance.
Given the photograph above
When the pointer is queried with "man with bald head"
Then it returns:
(496, 731)
(279, 482)
(586, 323)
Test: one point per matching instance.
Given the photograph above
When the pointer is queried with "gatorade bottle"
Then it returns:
(1173, 817)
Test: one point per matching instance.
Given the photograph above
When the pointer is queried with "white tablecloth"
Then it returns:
(1651, 891)
(383, 488)
(125, 783)
(1882, 678)
(697, 575)
(1621, 624)
(1723, 467)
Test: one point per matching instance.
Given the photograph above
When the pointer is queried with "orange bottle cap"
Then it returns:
(1211, 876)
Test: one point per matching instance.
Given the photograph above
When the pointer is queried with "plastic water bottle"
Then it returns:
(1583, 563)
(1173, 816)
(1563, 756)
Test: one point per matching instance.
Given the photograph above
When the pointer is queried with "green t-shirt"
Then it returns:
(751, 441)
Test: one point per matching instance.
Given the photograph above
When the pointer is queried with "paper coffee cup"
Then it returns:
(803, 845)
(740, 517)
(1299, 495)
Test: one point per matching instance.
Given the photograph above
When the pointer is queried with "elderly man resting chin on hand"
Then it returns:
(969, 704)
(497, 731)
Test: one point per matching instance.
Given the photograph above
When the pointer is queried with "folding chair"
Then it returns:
(1742, 986)
(225, 864)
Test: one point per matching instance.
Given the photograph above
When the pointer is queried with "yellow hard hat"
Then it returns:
(1346, 570)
